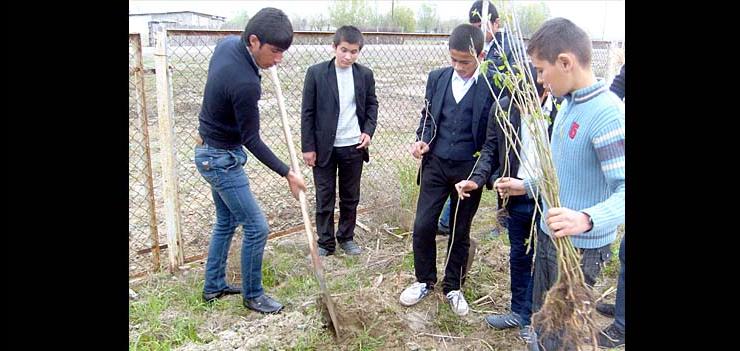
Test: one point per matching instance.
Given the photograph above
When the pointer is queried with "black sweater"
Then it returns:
(230, 116)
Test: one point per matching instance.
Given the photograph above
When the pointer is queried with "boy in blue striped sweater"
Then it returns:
(587, 146)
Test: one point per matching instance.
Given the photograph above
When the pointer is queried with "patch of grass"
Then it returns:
(269, 275)
(479, 273)
(407, 263)
(279, 267)
(351, 281)
(350, 261)
(163, 319)
(297, 287)
(450, 323)
(612, 267)
(316, 340)
(148, 309)
(366, 342)
(504, 237)
(488, 199)
(185, 329)
(189, 295)
(407, 172)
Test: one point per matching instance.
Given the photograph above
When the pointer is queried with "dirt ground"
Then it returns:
(365, 291)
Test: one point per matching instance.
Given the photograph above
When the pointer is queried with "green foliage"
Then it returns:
(449, 323)
(403, 18)
(484, 65)
(350, 12)
(427, 19)
(319, 23)
(237, 22)
(366, 342)
(407, 263)
(531, 17)
(159, 329)
(407, 172)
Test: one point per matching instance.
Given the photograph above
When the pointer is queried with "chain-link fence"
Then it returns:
(607, 58)
(144, 253)
(401, 64)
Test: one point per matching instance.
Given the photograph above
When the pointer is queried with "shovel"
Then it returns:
(318, 268)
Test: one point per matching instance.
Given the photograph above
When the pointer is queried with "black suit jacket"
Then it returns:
(437, 84)
(320, 108)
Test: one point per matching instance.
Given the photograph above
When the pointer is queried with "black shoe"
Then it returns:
(610, 337)
(443, 229)
(230, 290)
(324, 252)
(350, 248)
(606, 309)
(503, 321)
(263, 304)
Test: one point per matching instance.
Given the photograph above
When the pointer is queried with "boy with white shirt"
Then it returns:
(450, 135)
(337, 125)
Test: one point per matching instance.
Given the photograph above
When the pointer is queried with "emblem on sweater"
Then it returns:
(573, 130)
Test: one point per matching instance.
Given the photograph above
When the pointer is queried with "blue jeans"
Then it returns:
(444, 219)
(235, 205)
(518, 224)
(619, 304)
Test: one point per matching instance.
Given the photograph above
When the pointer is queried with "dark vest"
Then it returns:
(455, 132)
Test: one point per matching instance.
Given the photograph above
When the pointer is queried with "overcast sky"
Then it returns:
(601, 19)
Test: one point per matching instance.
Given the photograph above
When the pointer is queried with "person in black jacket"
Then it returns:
(497, 46)
(617, 86)
(519, 209)
(450, 134)
(614, 334)
(229, 121)
(338, 118)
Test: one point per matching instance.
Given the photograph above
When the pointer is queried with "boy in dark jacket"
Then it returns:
(337, 125)
(449, 137)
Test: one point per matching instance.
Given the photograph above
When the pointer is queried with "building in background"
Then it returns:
(147, 24)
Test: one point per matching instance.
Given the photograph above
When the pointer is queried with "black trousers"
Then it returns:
(546, 275)
(438, 179)
(347, 162)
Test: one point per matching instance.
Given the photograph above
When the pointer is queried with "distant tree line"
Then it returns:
(363, 15)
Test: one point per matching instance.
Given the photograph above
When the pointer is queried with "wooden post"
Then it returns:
(165, 108)
(144, 126)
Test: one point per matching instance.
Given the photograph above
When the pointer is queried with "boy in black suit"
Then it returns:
(449, 138)
(337, 125)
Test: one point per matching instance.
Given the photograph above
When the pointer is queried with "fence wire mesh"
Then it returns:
(401, 64)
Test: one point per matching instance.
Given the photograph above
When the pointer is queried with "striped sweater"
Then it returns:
(588, 154)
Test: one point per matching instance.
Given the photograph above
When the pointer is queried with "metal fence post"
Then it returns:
(144, 125)
(165, 108)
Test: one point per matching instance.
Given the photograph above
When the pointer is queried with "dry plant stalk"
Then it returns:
(566, 315)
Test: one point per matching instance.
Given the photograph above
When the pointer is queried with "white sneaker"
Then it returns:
(414, 293)
(457, 302)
